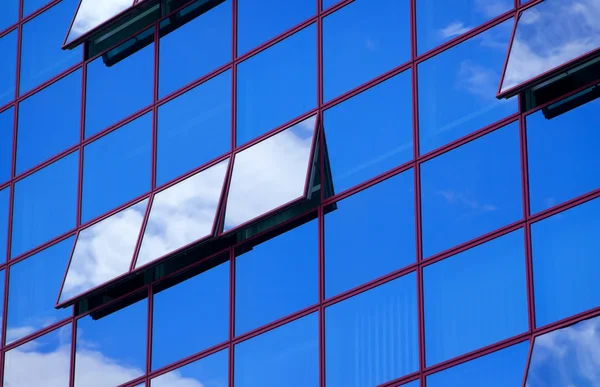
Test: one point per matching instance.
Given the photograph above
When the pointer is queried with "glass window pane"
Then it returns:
(471, 190)
(88, 16)
(4, 205)
(2, 279)
(287, 355)
(45, 204)
(457, 88)
(475, 298)
(191, 316)
(194, 128)
(370, 133)
(9, 14)
(184, 56)
(210, 371)
(259, 21)
(565, 263)
(277, 278)
(329, 3)
(49, 122)
(30, 6)
(6, 143)
(111, 181)
(411, 384)
(358, 232)
(364, 39)
(33, 286)
(8, 73)
(277, 85)
(42, 56)
(112, 350)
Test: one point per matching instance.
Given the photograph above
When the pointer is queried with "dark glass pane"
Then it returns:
(4, 205)
(45, 204)
(49, 122)
(112, 350)
(471, 190)
(285, 356)
(503, 368)
(210, 371)
(9, 14)
(33, 286)
(565, 263)
(89, 16)
(370, 234)
(194, 49)
(117, 168)
(277, 85)
(277, 278)
(6, 143)
(8, 73)
(41, 55)
(194, 128)
(259, 21)
(371, 133)
(364, 39)
(191, 316)
(475, 298)
(372, 338)
(457, 88)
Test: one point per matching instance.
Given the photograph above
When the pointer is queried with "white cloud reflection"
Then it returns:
(92, 13)
(454, 29)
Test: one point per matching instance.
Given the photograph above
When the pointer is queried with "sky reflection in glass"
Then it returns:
(4, 204)
(6, 137)
(210, 371)
(8, 72)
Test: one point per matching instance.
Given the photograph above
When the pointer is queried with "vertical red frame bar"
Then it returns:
(231, 315)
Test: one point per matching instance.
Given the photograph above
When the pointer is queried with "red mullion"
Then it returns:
(73, 350)
(41, 247)
(562, 97)
(49, 82)
(589, 196)
(231, 332)
(149, 331)
(138, 244)
(81, 139)
(234, 7)
(591, 313)
(39, 11)
(400, 382)
(524, 383)
(155, 107)
(510, 43)
(341, 4)
(321, 291)
(9, 29)
(4, 324)
(37, 334)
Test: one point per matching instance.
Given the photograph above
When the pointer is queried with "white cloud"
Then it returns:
(92, 13)
(468, 201)
(454, 29)
(478, 80)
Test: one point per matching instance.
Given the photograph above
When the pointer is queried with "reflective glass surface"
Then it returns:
(117, 168)
(475, 298)
(6, 137)
(194, 128)
(364, 39)
(457, 88)
(8, 73)
(184, 55)
(103, 251)
(370, 234)
(372, 338)
(329, 3)
(191, 316)
(89, 16)
(111, 350)
(411, 384)
(2, 279)
(277, 85)
(41, 55)
(210, 371)
(49, 122)
(4, 205)
(270, 173)
(471, 190)
(565, 263)
(277, 278)
(9, 14)
(45, 204)
(29, 6)
(370, 133)
(33, 286)
(285, 356)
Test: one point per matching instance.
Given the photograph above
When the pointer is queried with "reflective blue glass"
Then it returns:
(364, 39)
(277, 85)
(2, 279)
(329, 3)
(285, 356)
(8, 72)
(111, 181)
(370, 234)
(29, 6)
(6, 136)
(259, 21)
(4, 205)
(49, 122)
(194, 128)
(210, 371)
(41, 54)
(370, 133)
(9, 14)
(191, 316)
(372, 338)
(411, 384)
(194, 49)
(475, 298)
(471, 190)
(276, 278)
(457, 88)
(33, 286)
(45, 204)
(565, 263)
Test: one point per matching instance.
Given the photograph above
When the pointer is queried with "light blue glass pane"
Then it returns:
(372, 338)
(210, 371)
(364, 39)
(45, 204)
(9, 14)
(475, 298)
(565, 251)
(277, 278)
(371, 133)
(109, 181)
(49, 122)
(195, 49)
(285, 356)
(6, 137)
(277, 85)
(8, 73)
(33, 286)
(471, 190)
(457, 88)
(4, 205)
(358, 232)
